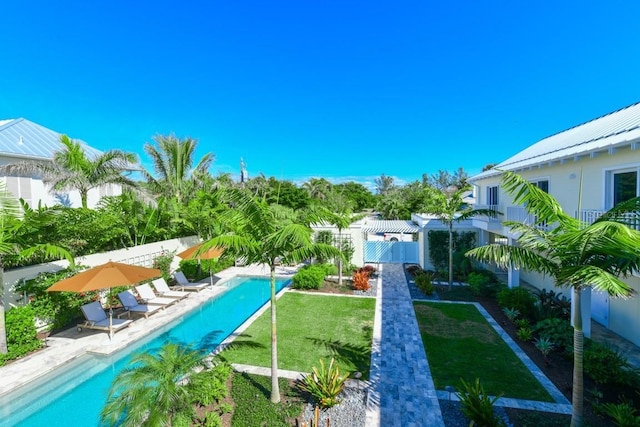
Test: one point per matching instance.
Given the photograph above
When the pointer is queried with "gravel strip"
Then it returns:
(349, 413)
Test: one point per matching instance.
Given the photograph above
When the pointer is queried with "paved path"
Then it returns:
(402, 382)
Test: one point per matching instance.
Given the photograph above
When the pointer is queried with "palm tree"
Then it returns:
(575, 254)
(268, 234)
(384, 184)
(72, 169)
(449, 207)
(318, 188)
(341, 217)
(173, 164)
(10, 230)
(150, 391)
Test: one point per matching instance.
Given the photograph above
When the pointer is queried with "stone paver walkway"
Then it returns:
(401, 380)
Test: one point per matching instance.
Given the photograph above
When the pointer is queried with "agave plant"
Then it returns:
(324, 384)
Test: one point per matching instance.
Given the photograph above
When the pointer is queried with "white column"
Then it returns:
(513, 274)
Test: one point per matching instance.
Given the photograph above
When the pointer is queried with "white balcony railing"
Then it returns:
(494, 208)
(520, 214)
(589, 216)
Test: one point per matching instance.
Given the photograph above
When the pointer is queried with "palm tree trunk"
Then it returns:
(578, 347)
(450, 256)
(3, 328)
(275, 388)
(340, 258)
(83, 198)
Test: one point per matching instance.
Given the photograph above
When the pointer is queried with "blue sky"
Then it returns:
(334, 89)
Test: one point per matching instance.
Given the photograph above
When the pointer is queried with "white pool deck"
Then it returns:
(70, 344)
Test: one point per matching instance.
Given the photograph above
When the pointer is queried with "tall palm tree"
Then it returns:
(449, 207)
(341, 217)
(10, 225)
(575, 254)
(149, 391)
(71, 169)
(318, 188)
(268, 234)
(173, 163)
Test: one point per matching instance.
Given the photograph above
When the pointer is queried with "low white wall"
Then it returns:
(355, 231)
(138, 255)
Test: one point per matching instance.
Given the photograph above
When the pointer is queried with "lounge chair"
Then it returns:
(164, 291)
(130, 303)
(186, 285)
(149, 297)
(97, 318)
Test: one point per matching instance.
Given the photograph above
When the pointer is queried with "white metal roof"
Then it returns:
(22, 138)
(610, 131)
(390, 226)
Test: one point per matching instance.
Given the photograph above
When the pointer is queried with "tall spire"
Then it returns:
(244, 175)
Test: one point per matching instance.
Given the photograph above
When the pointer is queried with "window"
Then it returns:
(492, 196)
(622, 185)
(543, 185)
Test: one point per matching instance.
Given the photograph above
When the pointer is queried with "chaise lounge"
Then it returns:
(164, 291)
(97, 318)
(149, 297)
(185, 285)
(130, 303)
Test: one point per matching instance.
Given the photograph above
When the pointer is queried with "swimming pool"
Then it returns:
(75, 394)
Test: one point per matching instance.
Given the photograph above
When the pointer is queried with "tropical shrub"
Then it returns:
(209, 386)
(310, 277)
(623, 414)
(522, 323)
(191, 271)
(605, 365)
(329, 269)
(546, 346)
(552, 304)
(484, 282)
(324, 384)
(360, 281)
(424, 282)
(524, 334)
(439, 250)
(325, 237)
(163, 263)
(477, 406)
(21, 333)
(511, 313)
(556, 330)
(519, 299)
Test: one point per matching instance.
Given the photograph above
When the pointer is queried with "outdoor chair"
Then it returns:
(185, 285)
(147, 296)
(130, 303)
(97, 318)
(164, 291)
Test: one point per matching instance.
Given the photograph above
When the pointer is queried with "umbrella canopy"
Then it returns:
(191, 253)
(104, 276)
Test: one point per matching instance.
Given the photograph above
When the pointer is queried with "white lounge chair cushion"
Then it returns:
(149, 297)
(164, 290)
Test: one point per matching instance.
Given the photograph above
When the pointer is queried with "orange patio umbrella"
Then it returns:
(195, 252)
(108, 275)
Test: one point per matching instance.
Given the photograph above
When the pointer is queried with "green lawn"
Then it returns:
(311, 327)
(461, 344)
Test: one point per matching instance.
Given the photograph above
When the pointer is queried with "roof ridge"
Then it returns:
(589, 121)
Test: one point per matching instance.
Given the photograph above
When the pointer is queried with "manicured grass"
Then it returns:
(253, 407)
(311, 327)
(457, 293)
(461, 344)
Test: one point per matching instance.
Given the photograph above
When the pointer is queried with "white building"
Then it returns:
(23, 140)
(588, 169)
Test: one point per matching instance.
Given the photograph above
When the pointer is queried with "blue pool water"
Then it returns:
(74, 395)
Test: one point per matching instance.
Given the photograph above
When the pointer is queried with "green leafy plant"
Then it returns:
(552, 304)
(524, 334)
(557, 330)
(310, 277)
(546, 346)
(324, 384)
(424, 282)
(623, 414)
(519, 299)
(163, 262)
(209, 386)
(21, 333)
(477, 406)
(605, 365)
(484, 282)
(522, 323)
(511, 313)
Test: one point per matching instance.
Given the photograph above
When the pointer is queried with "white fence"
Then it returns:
(139, 255)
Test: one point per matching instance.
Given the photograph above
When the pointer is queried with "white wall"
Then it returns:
(355, 231)
(139, 255)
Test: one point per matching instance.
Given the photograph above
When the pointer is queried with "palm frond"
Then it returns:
(506, 256)
(599, 279)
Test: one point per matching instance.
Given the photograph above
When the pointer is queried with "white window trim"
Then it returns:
(607, 181)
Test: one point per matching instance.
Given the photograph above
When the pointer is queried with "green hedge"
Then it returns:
(21, 333)
(310, 277)
(190, 267)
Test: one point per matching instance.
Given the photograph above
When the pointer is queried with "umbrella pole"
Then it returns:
(110, 323)
(211, 277)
